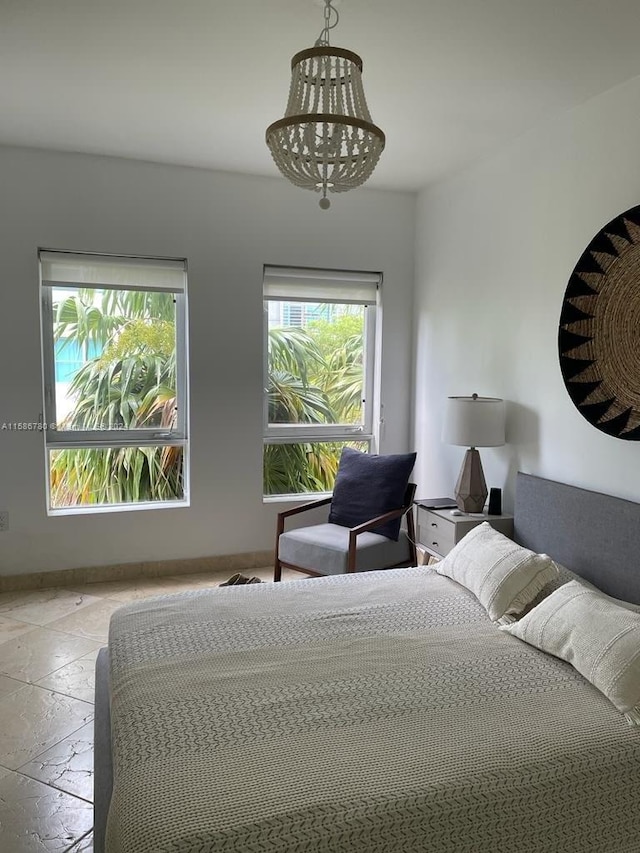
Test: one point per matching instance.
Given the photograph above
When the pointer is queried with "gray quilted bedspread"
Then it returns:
(375, 713)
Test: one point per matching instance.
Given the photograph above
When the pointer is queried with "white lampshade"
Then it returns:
(474, 421)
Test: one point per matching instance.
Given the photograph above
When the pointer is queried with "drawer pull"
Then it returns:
(433, 524)
(435, 544)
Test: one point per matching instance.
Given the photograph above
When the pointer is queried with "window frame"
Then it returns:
(58, 439)
(368, 430)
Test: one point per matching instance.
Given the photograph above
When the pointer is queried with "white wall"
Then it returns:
(495, 248)
(227, 226)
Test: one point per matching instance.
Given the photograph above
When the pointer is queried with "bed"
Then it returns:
(375, 712)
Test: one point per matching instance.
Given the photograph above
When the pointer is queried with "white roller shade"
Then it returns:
(64, 269)
(306, 285)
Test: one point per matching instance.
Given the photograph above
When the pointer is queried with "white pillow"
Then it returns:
(565, 575)
(595, 634)
(504, 576)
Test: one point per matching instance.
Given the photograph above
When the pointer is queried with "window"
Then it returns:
(320, 374)
(115, 381)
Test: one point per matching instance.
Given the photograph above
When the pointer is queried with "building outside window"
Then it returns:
(114, 348)
(321, 374)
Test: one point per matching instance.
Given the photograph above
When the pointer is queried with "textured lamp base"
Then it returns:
(471, 489)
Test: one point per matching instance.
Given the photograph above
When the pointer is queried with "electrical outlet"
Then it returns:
(4, 520)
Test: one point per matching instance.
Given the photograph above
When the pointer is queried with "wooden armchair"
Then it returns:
(329, 549)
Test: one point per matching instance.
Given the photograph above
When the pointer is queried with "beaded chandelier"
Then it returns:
(326, 140)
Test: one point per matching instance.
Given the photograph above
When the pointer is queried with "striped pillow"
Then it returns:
(504, 576)
(596, 634)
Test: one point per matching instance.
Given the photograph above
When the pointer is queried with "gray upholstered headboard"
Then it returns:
(595, 535)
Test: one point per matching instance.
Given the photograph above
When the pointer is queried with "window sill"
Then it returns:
(101, 508)
(298, 496)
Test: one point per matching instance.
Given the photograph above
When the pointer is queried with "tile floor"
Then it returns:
(49, 640)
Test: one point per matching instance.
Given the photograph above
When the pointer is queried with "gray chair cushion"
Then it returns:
(323, 548)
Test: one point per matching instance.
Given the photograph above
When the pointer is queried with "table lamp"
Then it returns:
(473, 422)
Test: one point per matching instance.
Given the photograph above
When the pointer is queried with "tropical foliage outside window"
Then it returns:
(315, 377)
(113, 383)
(318, 388)
(113, 378)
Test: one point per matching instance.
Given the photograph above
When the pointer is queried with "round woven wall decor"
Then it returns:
(599, 335)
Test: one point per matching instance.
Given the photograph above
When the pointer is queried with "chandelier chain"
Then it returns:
(323, 38)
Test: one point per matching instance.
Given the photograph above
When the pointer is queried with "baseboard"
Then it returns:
(130, 571)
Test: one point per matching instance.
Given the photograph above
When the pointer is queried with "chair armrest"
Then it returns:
(376, 522)
(369, 525)
(304, 507)
(297, 509)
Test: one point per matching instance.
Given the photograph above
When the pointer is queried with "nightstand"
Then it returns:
(438, 530)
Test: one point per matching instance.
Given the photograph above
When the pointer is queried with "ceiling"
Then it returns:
(196, 82)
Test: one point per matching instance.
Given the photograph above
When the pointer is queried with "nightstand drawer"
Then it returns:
(436, 533)
(439, 531)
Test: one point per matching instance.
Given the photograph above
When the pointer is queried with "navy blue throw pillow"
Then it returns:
(367, 486)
